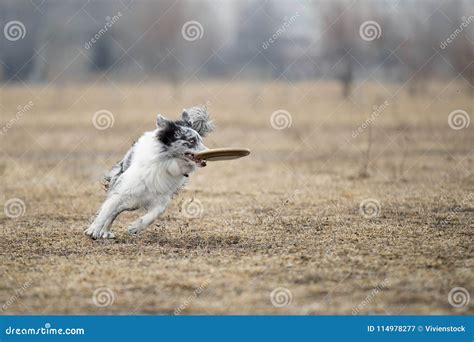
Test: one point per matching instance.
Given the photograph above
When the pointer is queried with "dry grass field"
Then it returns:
(289, 215)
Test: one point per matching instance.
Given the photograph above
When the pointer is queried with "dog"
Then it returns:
(154, 169)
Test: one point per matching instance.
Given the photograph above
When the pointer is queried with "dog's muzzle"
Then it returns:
(192, 157)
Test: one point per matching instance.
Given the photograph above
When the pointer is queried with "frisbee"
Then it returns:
(216, 154)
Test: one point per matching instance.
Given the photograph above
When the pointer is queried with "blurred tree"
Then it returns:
(417, 51)
(102, 55)
(234, 38)
(462, 57)
(16, 45)
(461, 49)
(339, 40)
(256, 24)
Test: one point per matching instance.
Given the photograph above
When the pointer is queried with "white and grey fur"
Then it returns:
(154, 169)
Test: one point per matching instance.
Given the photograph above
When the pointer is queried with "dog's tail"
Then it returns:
(199, 117)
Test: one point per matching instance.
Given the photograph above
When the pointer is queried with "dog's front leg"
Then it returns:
(111, 208)
(147, 219)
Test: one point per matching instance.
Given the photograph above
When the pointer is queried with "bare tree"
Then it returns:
(461, 49)
(339, 41)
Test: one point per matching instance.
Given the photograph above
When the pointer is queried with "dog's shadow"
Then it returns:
(175, 239)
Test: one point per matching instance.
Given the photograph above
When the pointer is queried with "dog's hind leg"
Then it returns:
(147, 219)
(111, 208)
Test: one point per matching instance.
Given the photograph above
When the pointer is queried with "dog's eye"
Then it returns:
(192, 141)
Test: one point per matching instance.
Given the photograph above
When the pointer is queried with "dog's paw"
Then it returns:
(135, 229)
(89, 232)
(108, 235)
(95, 234)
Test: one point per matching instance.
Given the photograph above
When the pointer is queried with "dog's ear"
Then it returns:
(161, 121)
(186, 118)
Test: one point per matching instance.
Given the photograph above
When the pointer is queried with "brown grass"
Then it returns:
(286, 216)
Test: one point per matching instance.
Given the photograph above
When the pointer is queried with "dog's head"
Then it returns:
(179, 139)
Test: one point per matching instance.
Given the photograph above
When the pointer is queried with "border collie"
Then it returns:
(153, 169)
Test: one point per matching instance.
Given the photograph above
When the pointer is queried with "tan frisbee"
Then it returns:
(216, 154)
